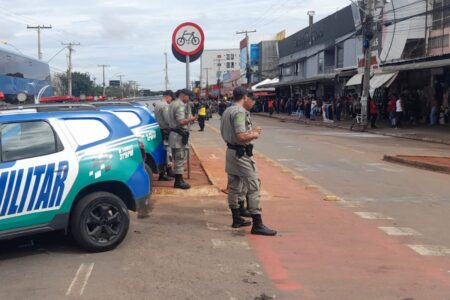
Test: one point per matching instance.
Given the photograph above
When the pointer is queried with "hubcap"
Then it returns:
(103, 223)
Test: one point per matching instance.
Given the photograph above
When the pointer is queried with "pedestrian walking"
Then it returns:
(270, 106)
(391, 110)
(373, 113)
(222, 107)
(237, 131)
(434, 112)
(161, 115)
(399, 112)
(179, 119)
(202, 116)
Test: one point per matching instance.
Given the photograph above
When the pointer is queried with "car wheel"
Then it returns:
(150, 174)
(99, 222)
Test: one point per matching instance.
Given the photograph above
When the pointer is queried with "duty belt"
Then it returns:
(241, 150)
(184, 134)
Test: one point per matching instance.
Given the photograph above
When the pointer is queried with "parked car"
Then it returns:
(142, 122)
(78, 171)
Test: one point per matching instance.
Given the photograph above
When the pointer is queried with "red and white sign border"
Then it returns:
(200, 45)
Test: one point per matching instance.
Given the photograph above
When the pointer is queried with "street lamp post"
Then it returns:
(11, 45)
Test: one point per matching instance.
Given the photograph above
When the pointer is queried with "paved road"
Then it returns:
(186, 250)
(350, 166)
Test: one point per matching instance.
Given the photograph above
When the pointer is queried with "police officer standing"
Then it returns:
(237, 131)
(179, 118)
(161, 114)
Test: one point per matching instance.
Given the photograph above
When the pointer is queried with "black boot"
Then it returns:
(243, 211)
(169, 172)
(238, 221)
(164, 177)
(259, 228)
(180, 184)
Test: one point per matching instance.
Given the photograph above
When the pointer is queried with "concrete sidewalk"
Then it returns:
(425, 133)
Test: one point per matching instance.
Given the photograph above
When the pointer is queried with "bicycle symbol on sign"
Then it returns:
(188, 37)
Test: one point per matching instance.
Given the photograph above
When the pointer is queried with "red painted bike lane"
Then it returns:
(324, 250)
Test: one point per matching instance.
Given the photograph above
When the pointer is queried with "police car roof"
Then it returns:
(111, 103)
(28, 115)
(146, 115)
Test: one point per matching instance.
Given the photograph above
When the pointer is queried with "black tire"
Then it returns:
(195, 41)
(181, 41)
(99, 222)
(150, 174)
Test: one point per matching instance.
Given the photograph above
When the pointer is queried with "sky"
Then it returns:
(132, 35)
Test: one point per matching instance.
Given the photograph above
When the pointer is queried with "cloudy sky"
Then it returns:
(132, 35)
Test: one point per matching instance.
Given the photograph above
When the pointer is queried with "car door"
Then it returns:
(36, 173)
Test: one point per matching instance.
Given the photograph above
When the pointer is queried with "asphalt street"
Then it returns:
(350, 166)
(325, 250)
(185, 250)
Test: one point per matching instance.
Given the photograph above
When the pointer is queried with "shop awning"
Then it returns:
(355, 80)
(263, 94)
(382, 79)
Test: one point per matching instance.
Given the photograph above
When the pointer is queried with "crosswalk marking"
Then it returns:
(429, 250)
(217, 244)
(400, 231)
(372, 216)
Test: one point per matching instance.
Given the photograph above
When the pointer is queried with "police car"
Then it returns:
(74, 171)
(143, 124)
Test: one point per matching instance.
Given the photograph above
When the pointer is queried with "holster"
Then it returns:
(184, 135)
(165, 134)
(242, 150)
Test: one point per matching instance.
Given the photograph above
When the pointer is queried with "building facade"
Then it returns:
(215, 63)
(268, 60)
(319, 59)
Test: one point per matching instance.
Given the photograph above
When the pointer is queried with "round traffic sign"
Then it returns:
(188, 39)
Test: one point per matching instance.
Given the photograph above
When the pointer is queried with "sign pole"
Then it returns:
(188, 80)
(188, 75)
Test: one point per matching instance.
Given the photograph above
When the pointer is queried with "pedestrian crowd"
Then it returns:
(411, 107)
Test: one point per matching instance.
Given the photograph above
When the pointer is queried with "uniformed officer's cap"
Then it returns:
(239, 93)
(188, 92)
(169, 93)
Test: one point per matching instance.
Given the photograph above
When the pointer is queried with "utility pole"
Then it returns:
(207, 80)
(167, 71)
(104, 84)
(248, 67)
(133, 87)
(367, 47)
(219, 65)
(39, 27)
(69, 71)
(121, 86)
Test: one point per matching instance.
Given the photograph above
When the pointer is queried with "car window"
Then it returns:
(87, 131)
(26, 140)
(129, 118)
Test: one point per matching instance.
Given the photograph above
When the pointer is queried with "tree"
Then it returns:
(81, 84)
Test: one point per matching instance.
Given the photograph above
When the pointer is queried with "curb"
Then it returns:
(197, 191)
(330, 125)
(417, 164)
(208, 174)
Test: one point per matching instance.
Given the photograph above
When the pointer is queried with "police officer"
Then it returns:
(161, 114)
(237, 131)
(179, 118)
